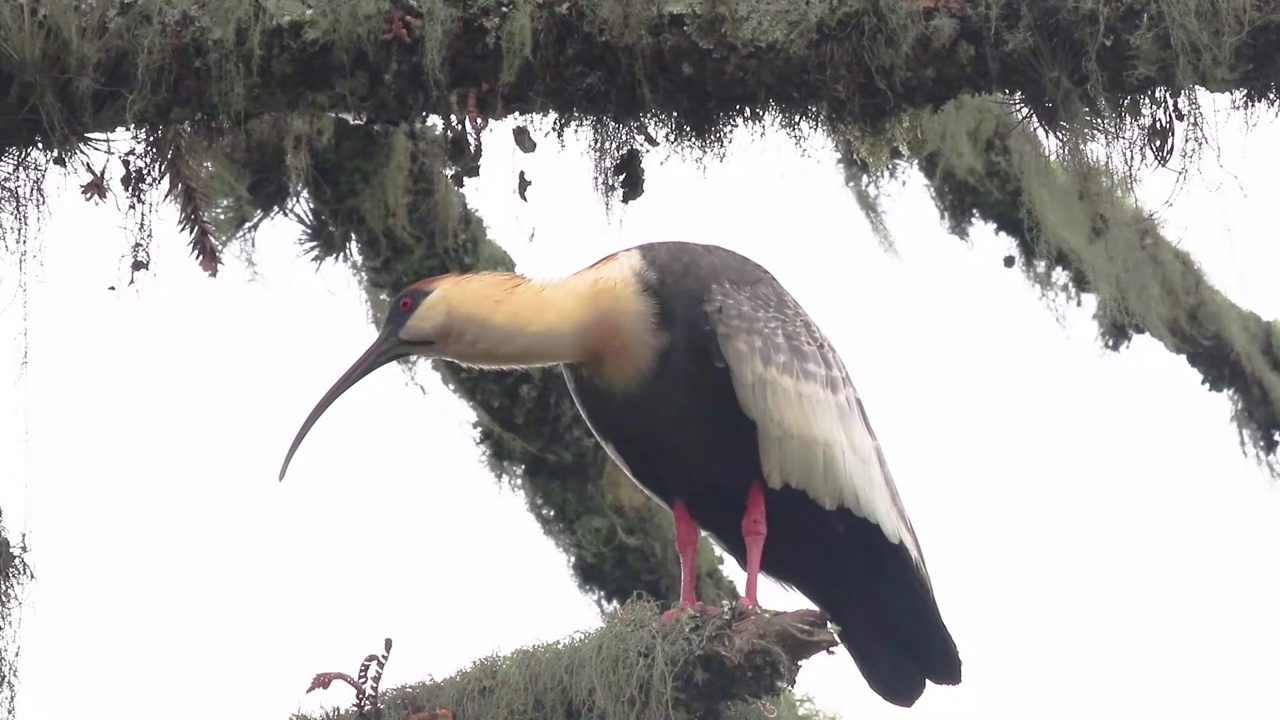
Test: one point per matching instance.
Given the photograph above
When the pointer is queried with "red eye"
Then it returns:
(405, 303)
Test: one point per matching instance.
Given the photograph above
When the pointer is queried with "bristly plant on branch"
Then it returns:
(365, 684)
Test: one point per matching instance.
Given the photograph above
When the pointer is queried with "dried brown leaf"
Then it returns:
(323, 680)
(96, 187)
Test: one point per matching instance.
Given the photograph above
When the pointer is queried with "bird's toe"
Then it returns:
(682, 608)
(746, 608)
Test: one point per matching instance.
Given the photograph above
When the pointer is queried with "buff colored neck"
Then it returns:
(600, 320)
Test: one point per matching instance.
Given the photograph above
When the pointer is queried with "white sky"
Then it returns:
(1098, 543)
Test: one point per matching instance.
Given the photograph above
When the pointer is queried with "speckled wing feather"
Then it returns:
(813, 431)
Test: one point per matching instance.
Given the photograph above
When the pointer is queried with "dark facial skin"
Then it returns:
(402, 309)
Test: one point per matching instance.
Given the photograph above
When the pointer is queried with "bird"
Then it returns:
(710, 386)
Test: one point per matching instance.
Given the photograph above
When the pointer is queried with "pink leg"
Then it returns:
(687, 548)
(754, 530)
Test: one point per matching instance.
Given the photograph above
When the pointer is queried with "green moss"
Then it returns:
(629, 669)
(1078, 230)
(688, 69)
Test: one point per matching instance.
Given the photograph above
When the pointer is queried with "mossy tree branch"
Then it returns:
(1077, 232)
(74, 67)
(634, 669)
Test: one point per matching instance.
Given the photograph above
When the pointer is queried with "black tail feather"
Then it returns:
(885, 609)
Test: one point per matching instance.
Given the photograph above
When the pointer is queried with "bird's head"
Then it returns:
(597, 318)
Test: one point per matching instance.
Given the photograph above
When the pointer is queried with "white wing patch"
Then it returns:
(812, 428)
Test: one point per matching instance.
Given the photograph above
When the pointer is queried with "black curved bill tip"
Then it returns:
(383, 350)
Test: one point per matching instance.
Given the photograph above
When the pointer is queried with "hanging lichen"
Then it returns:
(1078, 230)
(15, 577)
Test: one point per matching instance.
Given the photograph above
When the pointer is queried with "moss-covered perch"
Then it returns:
(702, 666)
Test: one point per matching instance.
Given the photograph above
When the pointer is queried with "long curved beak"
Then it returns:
(386, 348)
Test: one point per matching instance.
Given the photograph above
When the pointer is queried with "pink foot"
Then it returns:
(687, 548)
(677, 611)
(754, 530)
(683, 608)
(747, 607)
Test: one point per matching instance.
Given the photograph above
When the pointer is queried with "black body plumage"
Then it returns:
(682, 433)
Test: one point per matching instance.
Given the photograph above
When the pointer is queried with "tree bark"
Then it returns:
(701, 666)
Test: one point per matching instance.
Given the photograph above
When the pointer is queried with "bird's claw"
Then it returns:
(746, 608)
(682, 608)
